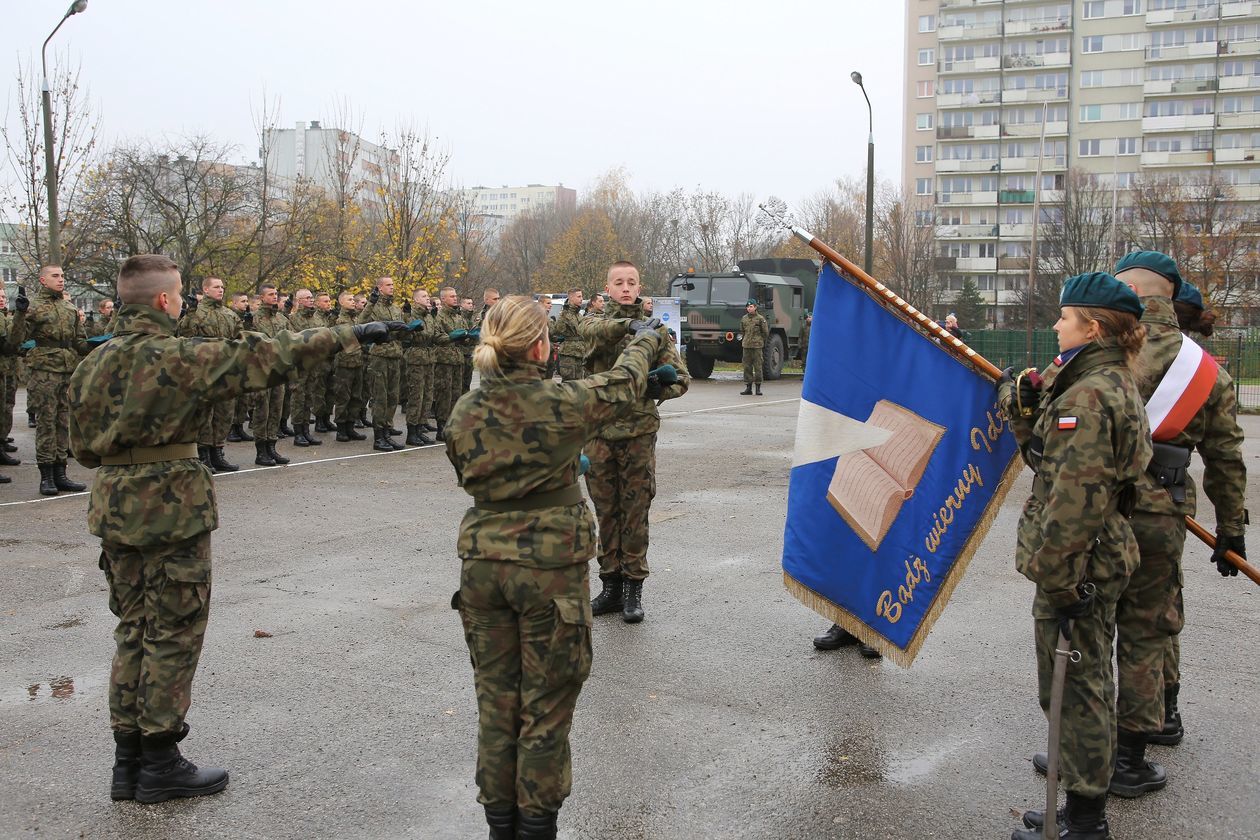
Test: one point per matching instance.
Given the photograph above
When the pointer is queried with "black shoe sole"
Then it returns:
(1136, 791)
(155, 796)
(1165, 740)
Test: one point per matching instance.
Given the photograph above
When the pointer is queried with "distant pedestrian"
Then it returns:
(755, 332)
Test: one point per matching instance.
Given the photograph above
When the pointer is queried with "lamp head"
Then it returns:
(856, 77)
(76, 7)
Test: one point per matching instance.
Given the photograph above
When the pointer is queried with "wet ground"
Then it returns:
(714, 718)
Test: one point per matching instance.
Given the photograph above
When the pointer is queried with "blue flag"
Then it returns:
(902, 460)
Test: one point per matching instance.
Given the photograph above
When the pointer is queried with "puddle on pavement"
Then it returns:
(851, 762)
(909, 769)
(56, 689)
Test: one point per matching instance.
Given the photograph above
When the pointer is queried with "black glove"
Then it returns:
(374, 295)
(648, 325)
(406, 308)
(248, 317)
(1223, 544)
(288, 304)
(91, 317)
(22, 303)
(1028, 391)
(1080, 609)
(190, 303)
(376, 331)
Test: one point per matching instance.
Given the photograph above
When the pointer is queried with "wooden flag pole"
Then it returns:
(958, 348)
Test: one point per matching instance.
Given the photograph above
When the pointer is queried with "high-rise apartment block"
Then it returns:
(331, 158)
(506, 203)
(1126, 87)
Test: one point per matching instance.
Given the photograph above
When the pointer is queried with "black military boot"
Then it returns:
(47, 487)
(354, 435)
(276, 456)
(1172, 733)
(362, 421)
(382, 442)
(165, 774)
(285, 429)
(4, 479)
(299, 436)
(632, 601)
(439, 434)
(234, 434)
(262, 455)
(757, 389)
(428, 427)
(7, 460)
(502, 822)
(836, 637)
(203, 455)
(343, 433)
(241, 433)
(126, 765)
(1083, 818)
(62, 482)
(310, 436)
(220, 462)
(1134, 776)
(30, 420)
(747, 392)
(609, 598)
(1037, 819)
(424, 439)
(394, 432)
(322, 425)
(413, 434)
(536, 827)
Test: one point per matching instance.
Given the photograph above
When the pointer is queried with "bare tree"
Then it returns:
(905, 229)
(415, 209)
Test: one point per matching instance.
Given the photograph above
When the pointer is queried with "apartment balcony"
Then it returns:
(1036, 27)
(984, 64)
(968, 100)
(965, 132)
(1190, 158)
(1246, 192)
(966, 231)
(1015, 62)
(1029, 164)
(1250, 46)
(1158, 87)
(972, 198)
(1238, 120)
(973, 32)
(1238, 9)
(1236, 155)
(1163, 17)
(1239, 82)
(1180, 122)
(1013, 95)
(963, 4)
(977, 264)
(1203, 49)
(947, 166)
(1014, 263)
(1017, 196)
(1034, 129)
(1021, 230)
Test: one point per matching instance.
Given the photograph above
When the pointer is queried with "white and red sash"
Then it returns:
(1184, 390)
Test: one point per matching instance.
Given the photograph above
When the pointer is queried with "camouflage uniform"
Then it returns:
(804, 345)
(572, 349)
(138, 403)
(307, 391)
(53, 322)
(472, 321)
(418, 352)
(447, 360)
(1150, 613)
(348, 377)
(515, 443)
(383, 363)
(1073, 532)
(96, 325)
(269, 409)
(8, 373)
(212, 319)
(622, 477)
(755, 331)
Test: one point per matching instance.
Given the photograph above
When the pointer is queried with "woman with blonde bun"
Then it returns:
(516, 444)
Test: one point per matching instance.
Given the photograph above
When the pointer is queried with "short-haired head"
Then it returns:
(143, 277)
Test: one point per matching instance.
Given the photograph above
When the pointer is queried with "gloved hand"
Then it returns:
(406, 308)
(474, 334)
(374, 295)
(91, 317)
(374, 332)
(190, 303)
(1223, 544)
(1028, 391)
(457, 335)
(247, 318)
(647, 325)
(98, 340)
(1008, 375)
(288, 304)
(417, 324)
(584, 465)
(27, 345)
(22, 303)
(667, 374)
(1080, 609)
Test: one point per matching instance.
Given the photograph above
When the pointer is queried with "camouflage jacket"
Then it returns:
(755, 331)
(566, 327)
(605, 339)
(8, 345)
(211, 319)
(53, 322)
(468, 345)
(517, 435)
(382, 310)
(146, 387)
(417, 344)
(270, 321)
(805, 330)
(1214, 430)
(349, 358)
(1088, 442)
(96, 325)
(447, 320)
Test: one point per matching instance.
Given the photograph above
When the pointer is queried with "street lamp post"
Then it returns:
(50, 159)
(868, 261)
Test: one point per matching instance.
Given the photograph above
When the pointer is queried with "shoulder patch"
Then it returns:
(1067, 424)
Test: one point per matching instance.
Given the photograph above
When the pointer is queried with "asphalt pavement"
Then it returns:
(354, 716)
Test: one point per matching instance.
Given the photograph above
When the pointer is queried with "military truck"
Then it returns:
(713, 303)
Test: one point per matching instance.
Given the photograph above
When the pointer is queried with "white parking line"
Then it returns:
(247, 470)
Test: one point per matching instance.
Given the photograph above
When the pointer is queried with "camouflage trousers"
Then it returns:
(47, 394)
(572, 367)
(310, 395)
(1087, 738)
(383, 374)
(268, 412)
(348, 393)
(529, 637)
(753, 358)
(244, 406)
(804, 358)
(622, 484)
(8, 396)
(419, 386)
(1148, 619)
(1172, 659)
(446, 384)
(216, 422)
(466, 382)
(161, 596)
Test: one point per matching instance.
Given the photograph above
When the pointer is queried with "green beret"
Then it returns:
(1099, 290)
(752, 303)
(1161, 264)
(1189, 294)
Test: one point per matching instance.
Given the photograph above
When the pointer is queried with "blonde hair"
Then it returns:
(510, 328)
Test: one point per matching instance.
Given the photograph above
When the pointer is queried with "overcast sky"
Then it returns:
(729, 95)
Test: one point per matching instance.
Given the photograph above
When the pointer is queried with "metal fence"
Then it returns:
(1237, 349)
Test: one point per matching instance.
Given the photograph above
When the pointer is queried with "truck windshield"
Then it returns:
(730, 291)
(698, 295)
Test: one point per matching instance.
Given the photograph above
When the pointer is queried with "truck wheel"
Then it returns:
(775, 354)
(699, 366)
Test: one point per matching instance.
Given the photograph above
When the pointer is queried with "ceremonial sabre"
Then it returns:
(958, 348)
(1061, 655)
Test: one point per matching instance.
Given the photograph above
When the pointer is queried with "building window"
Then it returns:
(1090, 148)
(1127, 146)
(1132, 7)
(927, 57)
(923, 154)
(925, 89)
(1132, 41)
(1092, 78)
(1095, 9)
(1091, 113)
(923, 218)
(1129, 110)
(923, 122)
(1092, 43)
(922, 186)
(927, 23)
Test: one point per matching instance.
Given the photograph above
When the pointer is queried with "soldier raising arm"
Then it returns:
(137, 403)
(516, 443)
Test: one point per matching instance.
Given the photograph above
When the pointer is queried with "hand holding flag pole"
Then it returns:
(957, 347)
